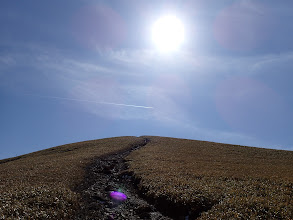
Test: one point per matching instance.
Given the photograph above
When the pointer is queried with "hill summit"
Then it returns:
(162, 177)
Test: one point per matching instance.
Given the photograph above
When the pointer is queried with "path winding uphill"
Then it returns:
(41, 185)
(108, 174)
(148, 178)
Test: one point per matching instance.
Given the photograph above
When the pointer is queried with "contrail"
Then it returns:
(82, 100)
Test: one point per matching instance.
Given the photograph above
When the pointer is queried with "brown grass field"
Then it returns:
(231, 182)
(40, 185)
(226, 181)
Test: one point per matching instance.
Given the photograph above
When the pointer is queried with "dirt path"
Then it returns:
(109, 173)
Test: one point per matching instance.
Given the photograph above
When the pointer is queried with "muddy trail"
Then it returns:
(109, 173)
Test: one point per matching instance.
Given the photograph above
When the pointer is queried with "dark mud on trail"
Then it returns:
(109, 173)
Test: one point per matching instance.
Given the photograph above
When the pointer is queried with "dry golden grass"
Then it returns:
(39, 185)
(237, 182)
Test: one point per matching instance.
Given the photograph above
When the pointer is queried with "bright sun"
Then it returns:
(168, 33)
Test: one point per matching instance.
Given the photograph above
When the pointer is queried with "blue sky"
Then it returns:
(80, 70)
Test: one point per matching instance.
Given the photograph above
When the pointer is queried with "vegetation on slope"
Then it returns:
(40, 185)
(218, 181)
(202, 179)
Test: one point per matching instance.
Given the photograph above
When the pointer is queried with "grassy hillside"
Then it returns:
(197, 178)
(39, 185)
(226, 181)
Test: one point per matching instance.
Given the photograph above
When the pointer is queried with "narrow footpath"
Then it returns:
(107, 174)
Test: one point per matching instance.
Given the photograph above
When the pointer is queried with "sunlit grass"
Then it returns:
(236, 181)
(41, 185)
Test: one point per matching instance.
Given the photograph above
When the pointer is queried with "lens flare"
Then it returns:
(119, 196)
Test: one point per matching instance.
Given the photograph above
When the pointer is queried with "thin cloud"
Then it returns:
(97, 102)
(273, 59)
(7, 60)
(132, 81)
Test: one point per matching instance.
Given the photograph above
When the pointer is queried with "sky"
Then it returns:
(77, 70)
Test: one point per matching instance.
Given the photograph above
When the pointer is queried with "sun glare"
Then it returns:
(168, 33)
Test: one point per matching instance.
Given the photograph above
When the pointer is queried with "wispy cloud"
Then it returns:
(273, 60)
(184, 61)
(6, 60)
(91, 101)
(140, 84)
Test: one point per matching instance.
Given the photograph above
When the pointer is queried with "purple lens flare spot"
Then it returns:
(118, 196)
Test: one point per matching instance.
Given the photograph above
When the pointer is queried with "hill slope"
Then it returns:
(182, 178)
(40, 185)
(193, 178)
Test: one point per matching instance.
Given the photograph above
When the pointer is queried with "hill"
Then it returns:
(215, 181)
(41, 185)
(182, 179)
